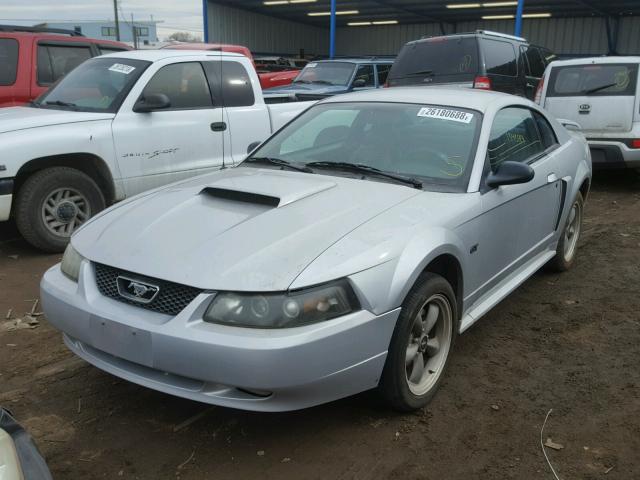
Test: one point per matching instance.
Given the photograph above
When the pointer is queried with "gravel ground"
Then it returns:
(567, 342)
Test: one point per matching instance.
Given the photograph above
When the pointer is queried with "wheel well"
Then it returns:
(584, 188)
(89, 164)
(448, 267)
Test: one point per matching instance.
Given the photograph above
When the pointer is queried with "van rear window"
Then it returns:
(612, 79)
(437, 56)
(9, 61)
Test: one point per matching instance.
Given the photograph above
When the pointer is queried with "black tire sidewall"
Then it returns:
(393, 384)
(33, 193)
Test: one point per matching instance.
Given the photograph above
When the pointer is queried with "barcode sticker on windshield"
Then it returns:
(122, 68)
(446, 114)
(312, 65)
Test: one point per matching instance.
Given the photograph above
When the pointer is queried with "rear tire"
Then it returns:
(53, 203)
(421, 344)
(568, 244)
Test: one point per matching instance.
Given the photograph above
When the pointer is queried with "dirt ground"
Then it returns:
(568, 342)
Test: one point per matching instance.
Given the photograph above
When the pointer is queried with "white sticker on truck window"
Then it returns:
(122, 68)
(446, 114)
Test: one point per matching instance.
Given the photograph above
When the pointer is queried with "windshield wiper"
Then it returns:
(358, 167)
(279, 162)
(597, 89)
(34, 104)
(323, 82)
(301, 81)
(60, 103)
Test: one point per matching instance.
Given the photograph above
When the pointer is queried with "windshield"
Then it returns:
(97, 85)
(604, 79)
(330, 73)
(437, 56)
(432, 143)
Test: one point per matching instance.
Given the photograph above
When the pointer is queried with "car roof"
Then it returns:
(156, 55)
(479, 100)
(594, 60)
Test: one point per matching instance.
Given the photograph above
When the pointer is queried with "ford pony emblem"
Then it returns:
(136, 290)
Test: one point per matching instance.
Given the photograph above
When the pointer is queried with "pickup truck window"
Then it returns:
(55, 61)
(236, 90)
(383, 72)
(184, 83)
(98, 85)
(9, 61)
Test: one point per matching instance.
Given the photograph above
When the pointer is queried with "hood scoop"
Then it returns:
(237, 196)
(267, 187)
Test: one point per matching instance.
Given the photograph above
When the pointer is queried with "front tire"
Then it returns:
(53, 203)
(568, 244)
(421, 344)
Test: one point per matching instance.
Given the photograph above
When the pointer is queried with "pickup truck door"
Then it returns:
(166, 145)
(247, 116)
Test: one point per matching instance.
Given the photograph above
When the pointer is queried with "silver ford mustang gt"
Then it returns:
(345, 253)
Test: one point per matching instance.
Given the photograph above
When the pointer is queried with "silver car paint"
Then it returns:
(380, 236)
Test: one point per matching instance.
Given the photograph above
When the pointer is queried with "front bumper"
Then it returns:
(252, 369)
(613, 154)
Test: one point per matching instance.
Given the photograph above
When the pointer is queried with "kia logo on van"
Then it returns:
(585, 107)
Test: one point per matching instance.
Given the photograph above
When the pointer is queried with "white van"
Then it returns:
(602, 95)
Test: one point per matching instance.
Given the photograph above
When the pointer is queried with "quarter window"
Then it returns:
(514, 137)
(236, 90)
(55, 61)
(547, 134)
(499, 58)
(9, 61)
(184, 83)
(365, 72)
(536, 62)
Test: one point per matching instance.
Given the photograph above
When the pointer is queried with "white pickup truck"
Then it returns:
(121, 124)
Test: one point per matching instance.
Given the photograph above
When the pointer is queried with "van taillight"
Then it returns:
(635, 143)
(538, 96)
(482, 83)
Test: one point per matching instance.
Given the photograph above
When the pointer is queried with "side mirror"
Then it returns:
(359, 83)
(152, 102)
(252, 146)
(510, 173)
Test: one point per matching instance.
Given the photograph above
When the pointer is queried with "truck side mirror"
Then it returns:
(359, 83)
(152, 102)
(510, 173)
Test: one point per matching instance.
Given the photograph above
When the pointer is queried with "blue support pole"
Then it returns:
(205, 20)
(518, 31)
(332, 30)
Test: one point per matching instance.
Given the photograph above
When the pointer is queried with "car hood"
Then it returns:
(22, 118)
(316, 89)
(243, 229)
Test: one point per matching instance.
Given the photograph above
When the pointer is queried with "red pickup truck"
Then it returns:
(32, 59)
(267, 79)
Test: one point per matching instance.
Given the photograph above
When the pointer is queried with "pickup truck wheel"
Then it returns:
(53, 203)
(422, 341)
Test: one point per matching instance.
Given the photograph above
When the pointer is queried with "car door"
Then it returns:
(517, 222)
(166, 145)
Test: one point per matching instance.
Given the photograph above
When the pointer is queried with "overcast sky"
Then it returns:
(175, 15)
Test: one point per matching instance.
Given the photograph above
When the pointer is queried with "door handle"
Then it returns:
(552, 178)
(218, 126)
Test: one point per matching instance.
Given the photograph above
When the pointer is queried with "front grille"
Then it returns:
(171, 299)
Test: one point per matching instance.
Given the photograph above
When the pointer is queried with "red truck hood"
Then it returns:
(277, 79)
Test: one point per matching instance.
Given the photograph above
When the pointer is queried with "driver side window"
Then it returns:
(514, 137)
(365, 72)
(184, 83)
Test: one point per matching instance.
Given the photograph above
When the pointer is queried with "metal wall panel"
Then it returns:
(264, 34)
(583, 36)
(629, 36)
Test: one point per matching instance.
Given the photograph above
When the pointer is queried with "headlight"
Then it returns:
(71, 262)
(283, 310)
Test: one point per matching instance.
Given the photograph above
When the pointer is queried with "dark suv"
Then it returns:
(482, 59)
